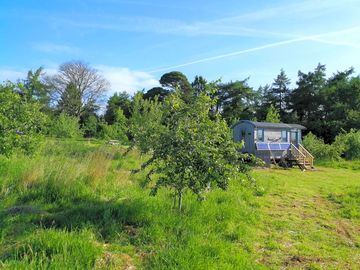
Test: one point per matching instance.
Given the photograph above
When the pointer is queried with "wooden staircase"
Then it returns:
(301, 157)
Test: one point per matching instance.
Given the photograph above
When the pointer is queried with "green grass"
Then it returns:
(77, 206)
(310, 220)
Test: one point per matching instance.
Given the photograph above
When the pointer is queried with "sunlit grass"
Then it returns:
(76, 205)
(81, 195)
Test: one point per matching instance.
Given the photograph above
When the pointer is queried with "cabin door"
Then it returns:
(294, 137)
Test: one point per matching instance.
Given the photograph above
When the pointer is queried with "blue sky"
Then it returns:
(133, 42)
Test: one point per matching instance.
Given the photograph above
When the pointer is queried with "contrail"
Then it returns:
(259, 48)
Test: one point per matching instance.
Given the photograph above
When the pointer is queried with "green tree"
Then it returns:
(307, 100)
(21, 122)
(199, 85)
(156, 92)
(35, 88)
(89, 84)
(319, 149)
(236, 100)
(272, 115)
(120, 126)
(66, 126)
(174, 80)
(145, 123)
(280, 93)
(195, 152)
(349, 144)
(90, 126)
(341, 104)
(70, 101)
(117, 101)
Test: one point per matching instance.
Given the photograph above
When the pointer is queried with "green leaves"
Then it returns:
(194, 148)
(21, 122)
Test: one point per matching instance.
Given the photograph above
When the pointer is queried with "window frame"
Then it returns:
(286, 138)
(263, 135)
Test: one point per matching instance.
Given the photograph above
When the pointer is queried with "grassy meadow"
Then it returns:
(76, 205)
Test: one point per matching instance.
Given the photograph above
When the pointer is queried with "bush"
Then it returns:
(65, 126)
(349, 143)
(319, 149)
(21, 122)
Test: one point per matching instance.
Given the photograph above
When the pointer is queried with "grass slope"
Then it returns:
(77, 206)
(310, 219)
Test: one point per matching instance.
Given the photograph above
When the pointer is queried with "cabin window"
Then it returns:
(260, 134)
(284, 136)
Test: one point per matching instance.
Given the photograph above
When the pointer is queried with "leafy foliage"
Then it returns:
(156, 92)
(280, 93)
(65, 126)
(235, 100)
(145, 123)
(117, 101)
(195, 151)
(272, 115)
(21, 122)
(319, 149)
(349, 144)
(90, 126)
(70, 101)
(118, 130)
(174, 80)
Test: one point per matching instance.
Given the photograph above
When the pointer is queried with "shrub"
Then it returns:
(21, 122)
(349, 144)
(65, 126)
(90, 126)
(319, 149)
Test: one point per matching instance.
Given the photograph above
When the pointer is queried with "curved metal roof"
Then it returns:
(271, 125)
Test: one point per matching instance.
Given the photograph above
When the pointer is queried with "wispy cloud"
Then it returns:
(120, 78)
(48, 47)
(125, 79)
(319, 38)
(9, 74)
(257, 23)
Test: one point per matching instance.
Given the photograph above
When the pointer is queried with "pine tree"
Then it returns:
(272, 115)
(280, 92)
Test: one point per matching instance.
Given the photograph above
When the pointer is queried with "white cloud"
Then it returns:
(8, 74)
(49, 47)
(120, 78)
(295, 13)
(124, 79)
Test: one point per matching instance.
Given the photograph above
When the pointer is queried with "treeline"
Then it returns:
(326, 106)
(68, 103)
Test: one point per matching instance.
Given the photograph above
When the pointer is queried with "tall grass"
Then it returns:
(76, 203)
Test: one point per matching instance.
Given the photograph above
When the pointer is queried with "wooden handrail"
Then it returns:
(306, 151)
(307, 154)
(293, 148)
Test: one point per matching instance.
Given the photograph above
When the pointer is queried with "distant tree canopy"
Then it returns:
(327, 106)
(236, 100)
(158, 92)
(117, 101)
(77, 79)
(176, 79)
(272, 115)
